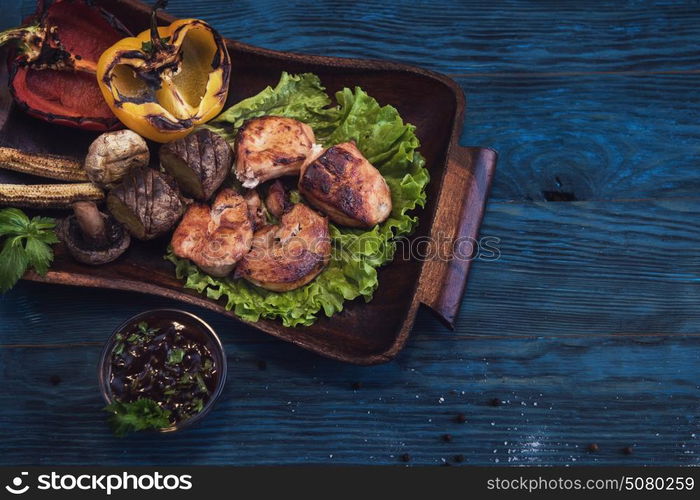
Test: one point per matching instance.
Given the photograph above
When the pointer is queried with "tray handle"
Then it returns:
(459, 212)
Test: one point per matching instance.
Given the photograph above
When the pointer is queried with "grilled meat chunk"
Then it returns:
(277, 199)
(271, 146)
(256, 210)
(215, 238)
(199, 162)
(345, 186)
(289, 255)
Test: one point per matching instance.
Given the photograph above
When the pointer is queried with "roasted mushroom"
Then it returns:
(147, 202)
(289, 255)
(215, 238)
(199, 163)
(113, 154)
(93, 237)
(271, 146)
(345, 186)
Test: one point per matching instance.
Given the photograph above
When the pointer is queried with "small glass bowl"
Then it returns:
(204, 333)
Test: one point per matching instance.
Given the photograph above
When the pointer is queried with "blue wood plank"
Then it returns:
(558, 396)
(586, 327)
(470, 36)
(580, 269)
(467, 36)
(599, 137)
(545, 328)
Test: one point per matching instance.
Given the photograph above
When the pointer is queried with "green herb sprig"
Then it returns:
(139, 415)
(26, 244)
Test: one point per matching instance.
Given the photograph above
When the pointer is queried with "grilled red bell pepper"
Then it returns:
(52, 66)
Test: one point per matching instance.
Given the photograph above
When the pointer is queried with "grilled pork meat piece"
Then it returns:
(345, 186)
(215, 238)
(199, 162)
(289, 255)
(256, 210)
(270, 147)
(277, 200)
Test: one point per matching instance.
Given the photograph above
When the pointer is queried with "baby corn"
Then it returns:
(42, 165)
(48, 195)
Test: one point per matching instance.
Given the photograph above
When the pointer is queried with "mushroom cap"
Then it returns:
(70, 234)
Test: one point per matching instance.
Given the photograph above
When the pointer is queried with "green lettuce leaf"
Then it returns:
(387, 142)
(296, 96)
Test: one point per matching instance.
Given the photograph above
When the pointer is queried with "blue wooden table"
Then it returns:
(586, 330)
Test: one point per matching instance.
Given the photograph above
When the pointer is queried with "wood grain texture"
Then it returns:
(588, 137)
(465, 36)
(593, 268)
(591, 309)
(448, 255)
(557, 397)
(543, 331)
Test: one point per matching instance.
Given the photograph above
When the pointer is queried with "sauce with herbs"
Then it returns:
(166, 361)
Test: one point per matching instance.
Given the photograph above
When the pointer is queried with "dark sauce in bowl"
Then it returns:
(168, 356)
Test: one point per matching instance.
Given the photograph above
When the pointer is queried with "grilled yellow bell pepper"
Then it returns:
(167, 80)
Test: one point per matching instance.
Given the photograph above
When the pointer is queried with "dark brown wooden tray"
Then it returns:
(364, 333)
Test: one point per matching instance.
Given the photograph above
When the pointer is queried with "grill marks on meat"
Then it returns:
(270, 147)
(215, 238)
(347, 187)
(234, 236)
(289, 255)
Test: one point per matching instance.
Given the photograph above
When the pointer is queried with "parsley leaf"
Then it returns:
(119, 349)
(146, 330)
(175, 356)
(13, 221)
(208, 365)
(13, 262)
(139, 415)
(26, 245)
(200, 384)
(39, 255)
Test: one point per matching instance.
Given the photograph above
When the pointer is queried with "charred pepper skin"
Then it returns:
(167, 80)
(51, 71)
